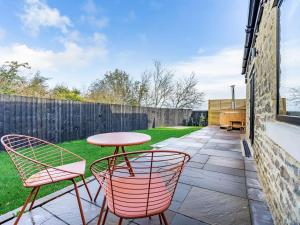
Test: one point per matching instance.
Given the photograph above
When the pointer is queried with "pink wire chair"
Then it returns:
(148, 192)
(39, 162)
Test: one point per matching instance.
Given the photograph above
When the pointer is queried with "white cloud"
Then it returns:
(223, 63)
(201, 51)
(60, 65)
(38, 14)
(93, 15)
(216, 72)
(2, 33)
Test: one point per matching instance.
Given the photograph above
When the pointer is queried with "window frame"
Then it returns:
(295, 120)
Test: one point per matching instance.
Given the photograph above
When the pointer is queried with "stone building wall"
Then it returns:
(278, 172)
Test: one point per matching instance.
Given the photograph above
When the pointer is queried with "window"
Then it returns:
(289, 68)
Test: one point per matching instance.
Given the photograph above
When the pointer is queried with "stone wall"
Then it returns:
(279, 173)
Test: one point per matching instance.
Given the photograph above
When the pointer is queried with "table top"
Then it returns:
(118, 139)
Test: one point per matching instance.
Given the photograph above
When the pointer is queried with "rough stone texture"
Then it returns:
(276, 169)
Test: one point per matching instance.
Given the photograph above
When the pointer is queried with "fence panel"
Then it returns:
(216, 106)
(58, 120)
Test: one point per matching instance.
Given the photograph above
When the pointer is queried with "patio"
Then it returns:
(218, 186)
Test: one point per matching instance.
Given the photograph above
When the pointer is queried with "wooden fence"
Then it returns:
(216, 106)
(58, 120)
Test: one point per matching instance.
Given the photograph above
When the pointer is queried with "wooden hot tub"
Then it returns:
(233, 118)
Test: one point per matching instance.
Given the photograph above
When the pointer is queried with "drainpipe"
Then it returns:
(232, 97)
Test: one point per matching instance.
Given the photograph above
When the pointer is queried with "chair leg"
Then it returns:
(101, 211)
(160, 221)
(79, 202)
(86, 187)
(120, 221)
(34, 197)
(24, 206)
(96, 196)
(105, 215)
(164, 219)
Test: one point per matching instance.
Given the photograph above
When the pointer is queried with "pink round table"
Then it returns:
(119, 140)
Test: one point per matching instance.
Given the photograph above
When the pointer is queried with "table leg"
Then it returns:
(128, 163)
(113, 167)
(113, 162)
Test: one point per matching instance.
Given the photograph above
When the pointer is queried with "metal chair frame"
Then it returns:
(146, 192)
(39, 163)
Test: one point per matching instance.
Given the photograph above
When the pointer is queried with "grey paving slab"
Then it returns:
(210, 145)
(189, 143)
(155, 219)
(66, 208)
(227, 162)
(260, 213)
(191, 150)
(251, 174)
(181, 192)
(180, 219)
(195, 164)
(110, 220)
(250, 165)
(215, 208)
(227, 136)
(252, 183)
(175, 205)
(225, 183)
(255, 194)
(199, 136)
(224, 169)
(223, 141)
(221, 147)
(164, 143)
(199, 158)
(212, 175)
(229, 154)
(93, 187)
(37, 216)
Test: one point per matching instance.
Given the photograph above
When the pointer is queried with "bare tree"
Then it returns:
(185, 94)
(140, 91)
(295, 95)
(160, 86)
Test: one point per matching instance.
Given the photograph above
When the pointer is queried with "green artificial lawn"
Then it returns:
(13, 194)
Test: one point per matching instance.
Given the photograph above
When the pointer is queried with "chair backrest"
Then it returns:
(31, 155)
(140, 184)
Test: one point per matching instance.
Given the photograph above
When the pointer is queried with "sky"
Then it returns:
(290, 53)
(76, 42)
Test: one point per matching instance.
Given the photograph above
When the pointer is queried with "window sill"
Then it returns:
(289, 119)
(286, 136)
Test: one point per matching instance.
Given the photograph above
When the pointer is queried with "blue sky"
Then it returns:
(75, 42)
